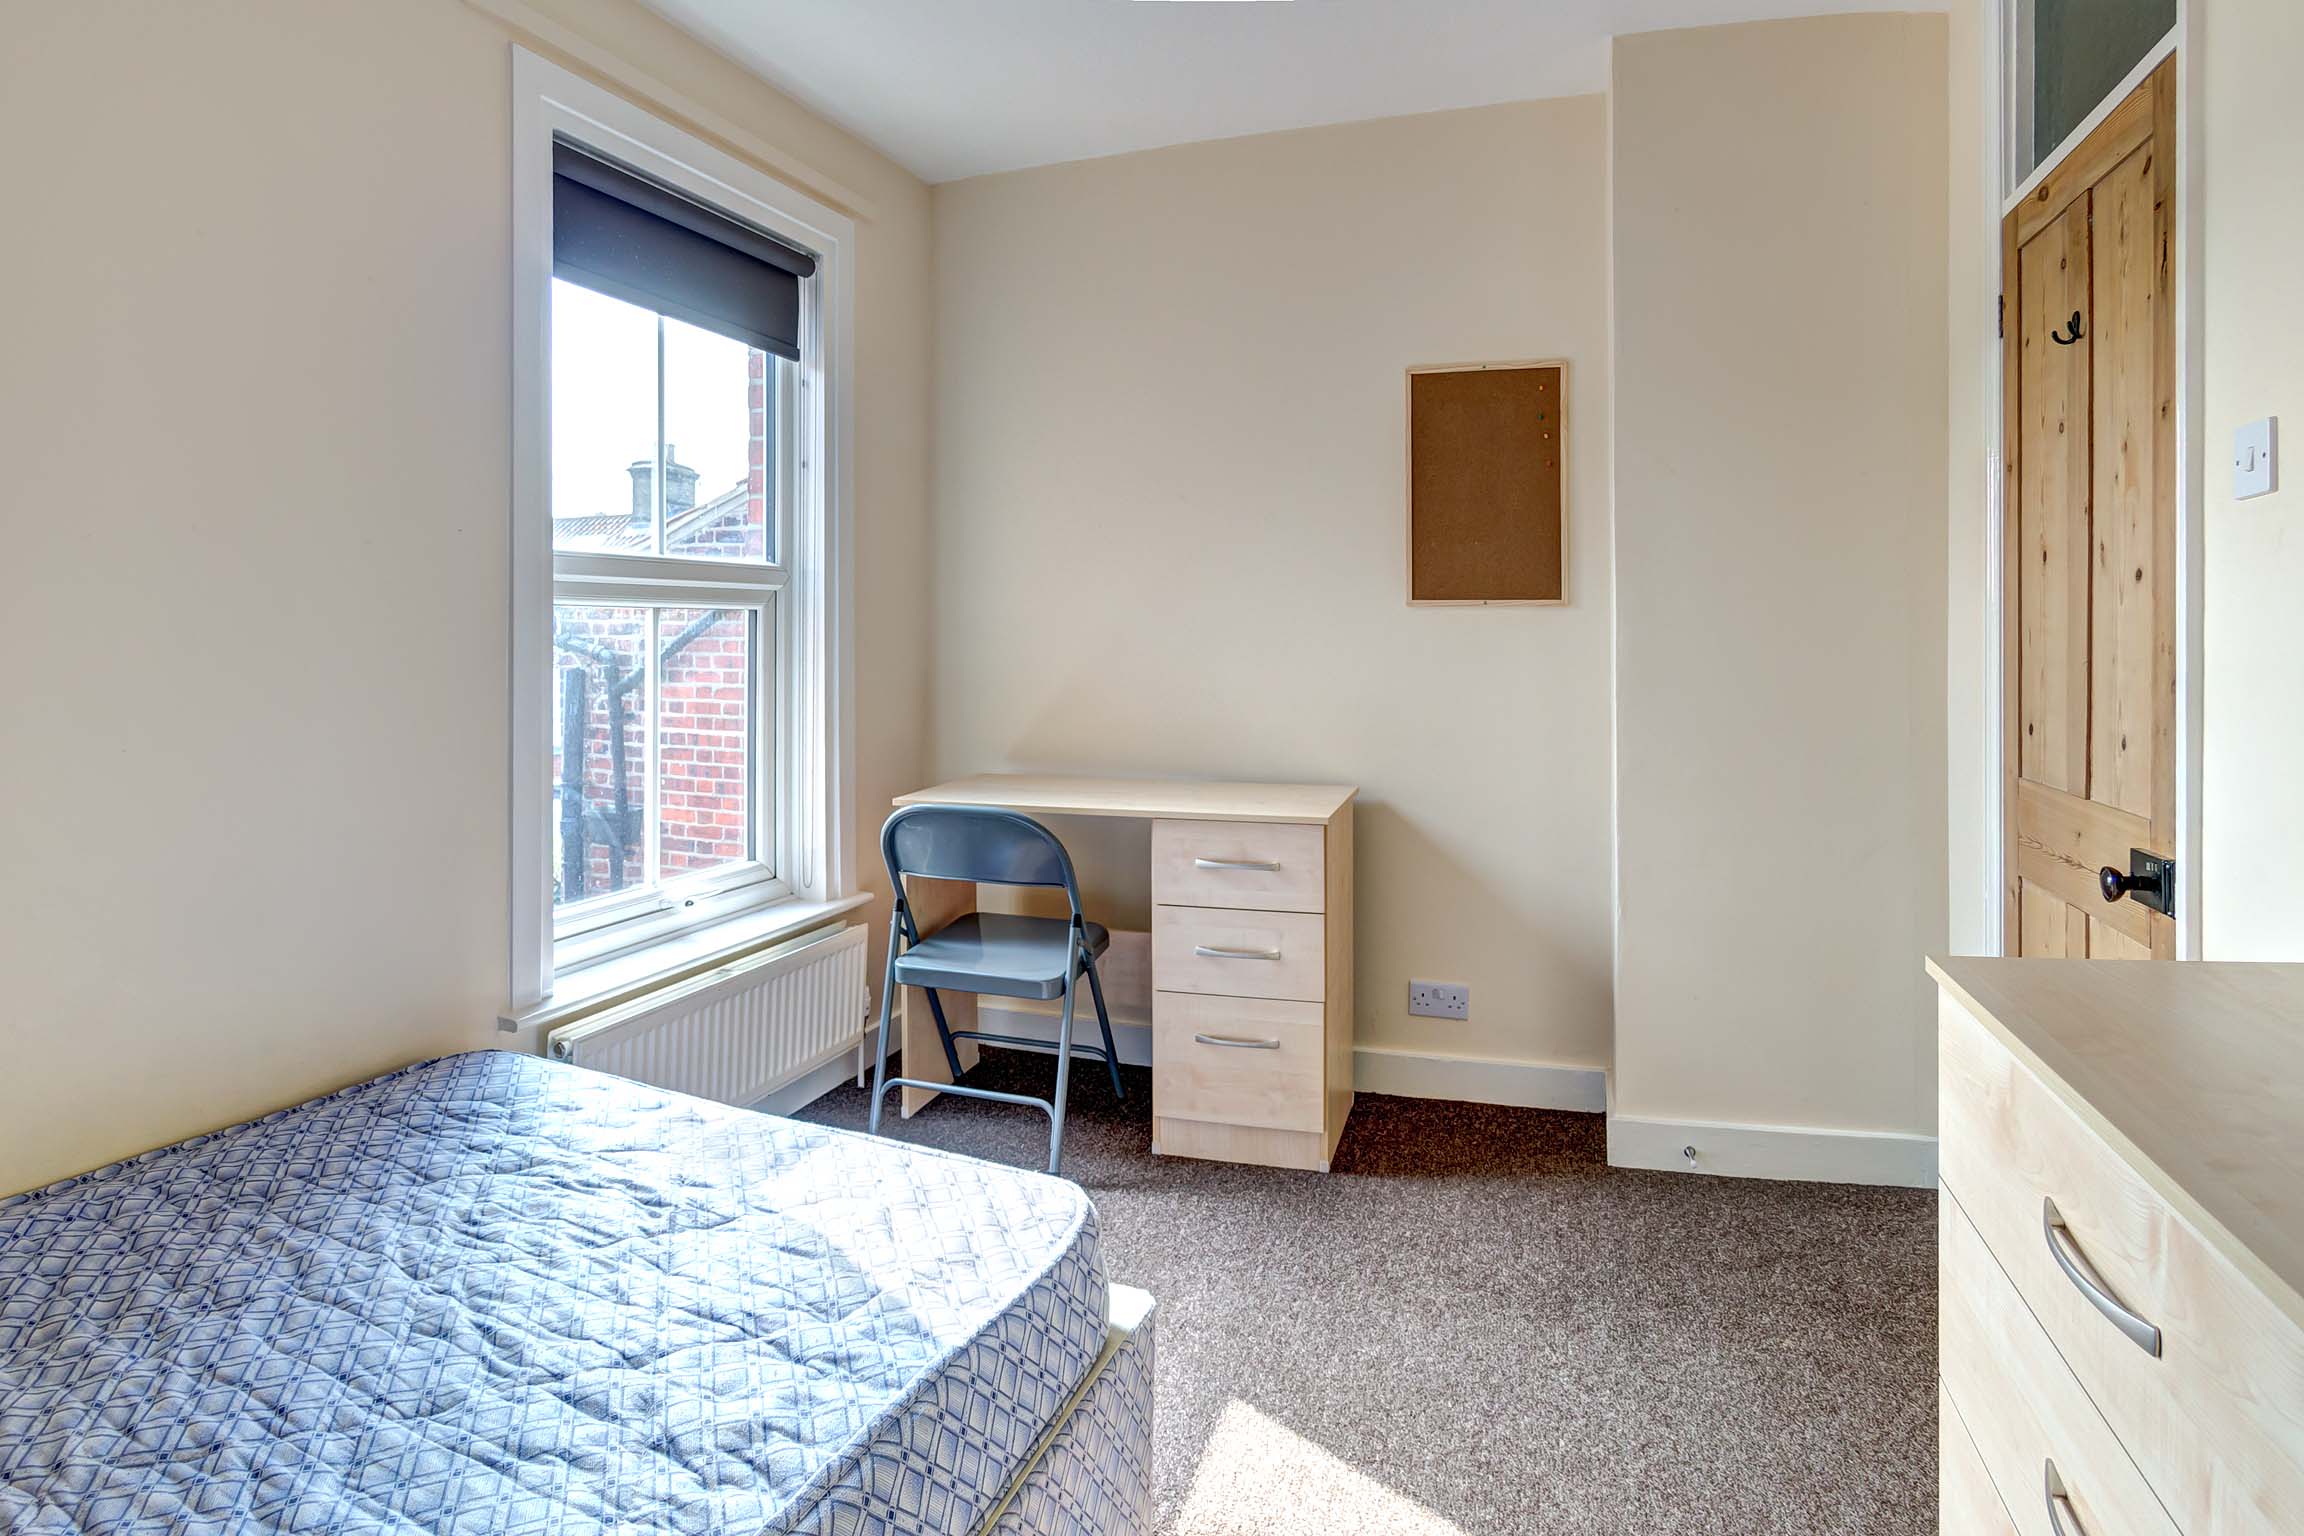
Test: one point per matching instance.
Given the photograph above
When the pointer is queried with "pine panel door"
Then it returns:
(2089, 361)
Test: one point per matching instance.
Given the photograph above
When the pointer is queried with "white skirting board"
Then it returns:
(1809, 1153)
(1803, 1153)
(1478, 1079)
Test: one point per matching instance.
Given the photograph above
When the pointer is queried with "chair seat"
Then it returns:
(998, 954)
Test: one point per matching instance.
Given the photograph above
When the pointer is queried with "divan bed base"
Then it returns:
(1091, 1474)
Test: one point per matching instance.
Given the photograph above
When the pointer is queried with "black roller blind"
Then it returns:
(620, 234)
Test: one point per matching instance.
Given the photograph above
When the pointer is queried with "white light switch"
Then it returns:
(2253, 466)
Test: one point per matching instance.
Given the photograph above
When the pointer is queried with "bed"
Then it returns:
(493, 1293)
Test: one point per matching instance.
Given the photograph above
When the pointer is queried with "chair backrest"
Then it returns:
(975, 842)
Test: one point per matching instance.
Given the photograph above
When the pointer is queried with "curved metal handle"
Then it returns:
(2077, 333)
(2077, 1270)
(1219, 952)
(1262, 866)
(2061, 1518)
(1238, 1045)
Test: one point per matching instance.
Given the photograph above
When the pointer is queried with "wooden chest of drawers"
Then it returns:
(1252, 1007)
(2122, 1237)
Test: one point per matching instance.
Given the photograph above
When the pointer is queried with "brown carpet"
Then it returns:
(1475, 1327)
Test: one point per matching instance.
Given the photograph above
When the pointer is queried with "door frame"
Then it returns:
(2184, 41)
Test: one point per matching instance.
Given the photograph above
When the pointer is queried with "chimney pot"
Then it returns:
(679, 487)
(679, 484)
(643, 491)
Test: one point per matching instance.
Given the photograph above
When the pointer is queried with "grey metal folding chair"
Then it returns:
(991, 953)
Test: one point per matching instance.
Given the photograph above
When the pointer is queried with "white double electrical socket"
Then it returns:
(1439, 1000)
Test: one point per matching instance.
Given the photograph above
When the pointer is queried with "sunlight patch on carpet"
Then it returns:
(1256, 1477)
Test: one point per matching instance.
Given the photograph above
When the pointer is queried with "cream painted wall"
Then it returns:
(1169, 465)
(2252, 830)
(255, 411)
(1780, 270)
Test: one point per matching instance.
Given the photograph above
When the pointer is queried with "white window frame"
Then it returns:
(803, 772)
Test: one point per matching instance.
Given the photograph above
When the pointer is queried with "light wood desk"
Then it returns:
(1251, 956)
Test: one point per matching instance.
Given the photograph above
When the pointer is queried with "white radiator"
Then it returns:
(737, 1033)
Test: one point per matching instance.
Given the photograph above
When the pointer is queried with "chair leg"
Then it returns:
(943, 1031)
(1104, 1022)
(887, 997)
(1063, 1076)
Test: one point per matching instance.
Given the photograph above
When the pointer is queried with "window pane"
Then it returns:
(2080, 51)
(599, 751)
(603, 422)
(719, 442)
(703, 749)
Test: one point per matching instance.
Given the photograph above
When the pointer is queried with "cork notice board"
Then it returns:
(1486, 500)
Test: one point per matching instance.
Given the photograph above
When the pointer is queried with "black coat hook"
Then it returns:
(2065, 341)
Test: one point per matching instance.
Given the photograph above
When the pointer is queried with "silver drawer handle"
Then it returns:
(1238, 1045)
(2077, 1270)
(1219, 952)
(1262, 866)
(2059, 1503)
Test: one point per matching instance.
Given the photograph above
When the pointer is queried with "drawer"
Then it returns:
(1263, 865)
(1239, 954)
(2023, 1409)
(1238, 1060)
(2216, 1418)
(1966, 1502)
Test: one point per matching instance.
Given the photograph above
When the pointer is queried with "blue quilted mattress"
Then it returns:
(492, 1293)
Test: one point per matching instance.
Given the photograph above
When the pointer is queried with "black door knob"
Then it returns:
(2117, 885)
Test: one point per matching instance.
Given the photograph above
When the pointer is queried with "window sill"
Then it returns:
(621, 977)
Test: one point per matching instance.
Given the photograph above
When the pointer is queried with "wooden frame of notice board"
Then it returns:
(1487, 491)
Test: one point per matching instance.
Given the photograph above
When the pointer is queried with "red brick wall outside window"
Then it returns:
(704, 752)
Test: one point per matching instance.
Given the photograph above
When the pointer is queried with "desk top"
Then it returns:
(1163, 799)
(2191, 1070)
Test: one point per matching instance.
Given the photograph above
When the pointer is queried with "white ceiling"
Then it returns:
(954, 88)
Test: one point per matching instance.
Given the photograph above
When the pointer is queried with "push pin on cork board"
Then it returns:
(1487, 483)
